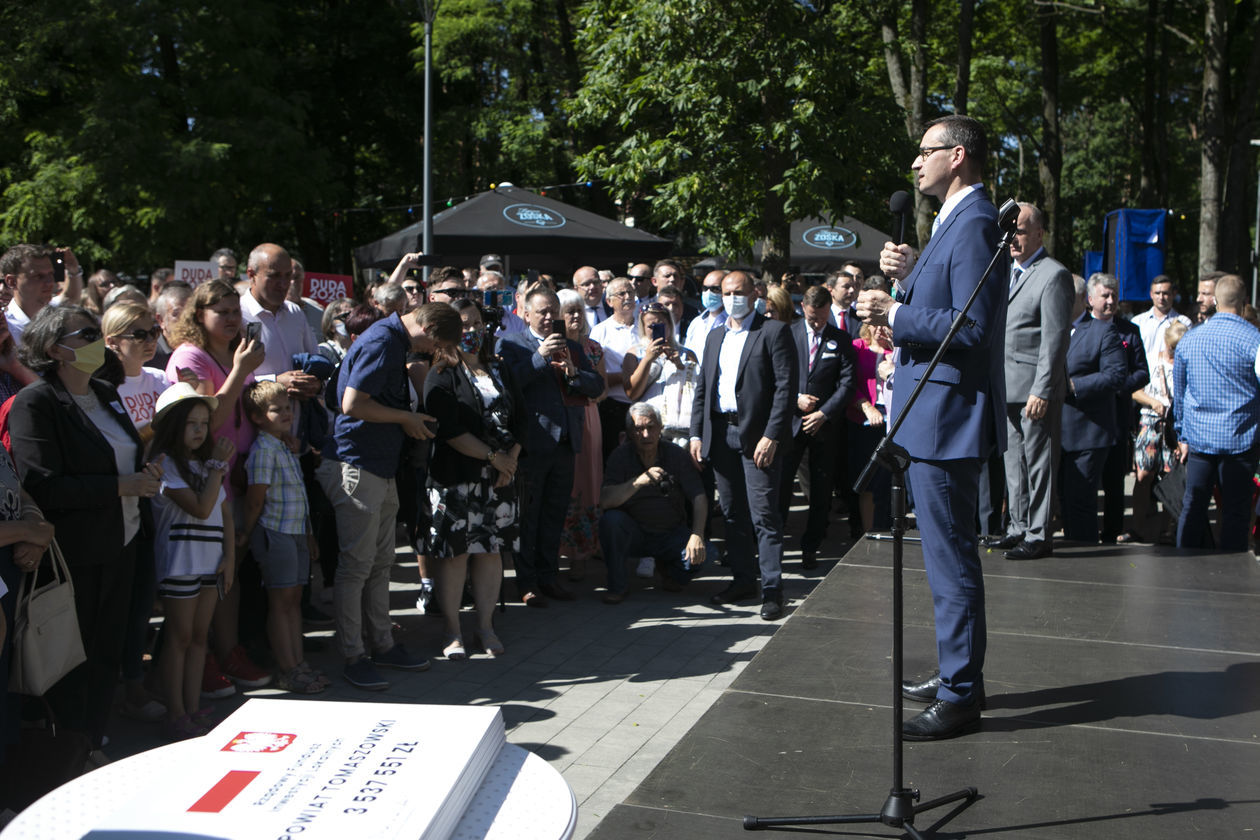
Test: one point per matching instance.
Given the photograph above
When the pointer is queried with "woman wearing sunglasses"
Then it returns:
(80, 457)
(132, 334)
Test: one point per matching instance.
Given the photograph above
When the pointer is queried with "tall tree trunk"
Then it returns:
(1235, 242)
(1050, 163)
(1147, 186)
(1211, 130)
(966, 25)
(911, 92)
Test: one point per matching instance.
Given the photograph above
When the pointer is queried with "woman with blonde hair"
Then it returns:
(579, 541)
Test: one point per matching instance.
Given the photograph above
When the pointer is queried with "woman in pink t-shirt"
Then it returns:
(211, 356)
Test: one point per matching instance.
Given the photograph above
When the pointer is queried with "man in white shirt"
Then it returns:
(28, 273)
(587, 283)
(1153, 322)
(617, 335)
(712, 316)
(844, 288)
(284, 330)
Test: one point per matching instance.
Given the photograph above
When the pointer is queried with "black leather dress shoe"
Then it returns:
(1031, 550)
(809, 559)
(925, 692)
(556, 592)
(1003, 542)
(921, 692)
(941, 720)
(772, 606)
(733, 594)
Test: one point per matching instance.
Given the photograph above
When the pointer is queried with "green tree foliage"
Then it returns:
(732, 119)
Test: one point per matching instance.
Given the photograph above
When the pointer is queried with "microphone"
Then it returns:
(899, 204)
(1008, 216)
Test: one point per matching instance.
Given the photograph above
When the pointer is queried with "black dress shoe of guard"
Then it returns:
(772, 606)
(1031, 550)
(941, 720)
(809, 559)
(1003, 542)
(733, 594)
(925, 692)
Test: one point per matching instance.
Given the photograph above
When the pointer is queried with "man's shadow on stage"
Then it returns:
(1204, 695)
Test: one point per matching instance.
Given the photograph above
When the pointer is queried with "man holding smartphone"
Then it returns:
(277, 321)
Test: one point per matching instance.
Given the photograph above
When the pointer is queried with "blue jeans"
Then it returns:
(621, 537)
(1233, 472)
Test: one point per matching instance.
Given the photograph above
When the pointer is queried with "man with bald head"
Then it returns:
(1216, 412)
(587, 283)
(284, 330)
(713, 316)
(641, 276)
(740, 418)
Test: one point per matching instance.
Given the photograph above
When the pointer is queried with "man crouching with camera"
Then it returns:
(647, 486)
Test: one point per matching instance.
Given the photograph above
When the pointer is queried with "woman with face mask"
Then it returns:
(471, 483)
(79, 456)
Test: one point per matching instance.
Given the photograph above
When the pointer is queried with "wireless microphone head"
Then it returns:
(1008, 215)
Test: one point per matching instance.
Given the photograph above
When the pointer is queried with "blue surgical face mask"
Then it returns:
(710, 300)
(737, 306)
(761, 306)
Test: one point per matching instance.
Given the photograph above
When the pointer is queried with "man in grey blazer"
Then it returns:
(1038, 320)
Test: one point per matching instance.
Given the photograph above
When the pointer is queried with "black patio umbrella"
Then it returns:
(527, 229)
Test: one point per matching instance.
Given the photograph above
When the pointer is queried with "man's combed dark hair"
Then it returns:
(961, 130)
(15, 259)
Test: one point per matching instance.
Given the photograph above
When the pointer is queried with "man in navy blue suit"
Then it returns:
(825, 367)
(546, 367)
(960, 415)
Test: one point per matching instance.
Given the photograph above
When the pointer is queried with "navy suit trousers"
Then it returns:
(945, 508)
(750, 505)
(548, 483)
(1232, 472)
(1078, 496)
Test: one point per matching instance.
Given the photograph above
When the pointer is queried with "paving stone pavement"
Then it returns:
(601, 692)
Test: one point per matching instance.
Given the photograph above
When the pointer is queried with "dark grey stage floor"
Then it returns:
(1124, 702)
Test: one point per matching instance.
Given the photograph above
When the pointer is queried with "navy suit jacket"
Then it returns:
(832, 378)
(765, 386)
(547, 417)
(1137, 375)
(961, 412)
(1096, 370)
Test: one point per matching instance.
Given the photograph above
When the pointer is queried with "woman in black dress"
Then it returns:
(471, 484)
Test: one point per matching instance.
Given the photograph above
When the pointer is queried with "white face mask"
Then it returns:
(736, 306)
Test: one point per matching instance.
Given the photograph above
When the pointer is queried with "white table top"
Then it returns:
(521, 798)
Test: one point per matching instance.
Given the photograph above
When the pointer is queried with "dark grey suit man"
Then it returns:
(740, 419)
(1038, 323)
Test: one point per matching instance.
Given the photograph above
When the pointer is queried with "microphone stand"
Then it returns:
(900, 807)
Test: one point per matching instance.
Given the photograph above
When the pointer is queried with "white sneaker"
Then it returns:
(647, 567)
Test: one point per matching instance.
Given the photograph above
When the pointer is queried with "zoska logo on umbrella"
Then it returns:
(826, 236)
(531, 215)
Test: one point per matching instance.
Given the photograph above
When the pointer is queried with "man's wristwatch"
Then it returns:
(491, 455)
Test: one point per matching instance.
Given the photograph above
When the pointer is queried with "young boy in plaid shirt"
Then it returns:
(278, 531)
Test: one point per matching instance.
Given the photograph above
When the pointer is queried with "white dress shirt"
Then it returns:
(617, 339)
(698, 331)
(728, 365)
(284, 333)
(1152, 326)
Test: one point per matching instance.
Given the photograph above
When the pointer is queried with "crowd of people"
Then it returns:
(235, 455)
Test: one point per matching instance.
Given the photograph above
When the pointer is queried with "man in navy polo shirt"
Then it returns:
(375, 403)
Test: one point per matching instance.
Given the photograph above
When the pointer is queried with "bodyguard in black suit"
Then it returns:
(825, 368)
(545, 368)
(1095, 371)
(741, 416)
